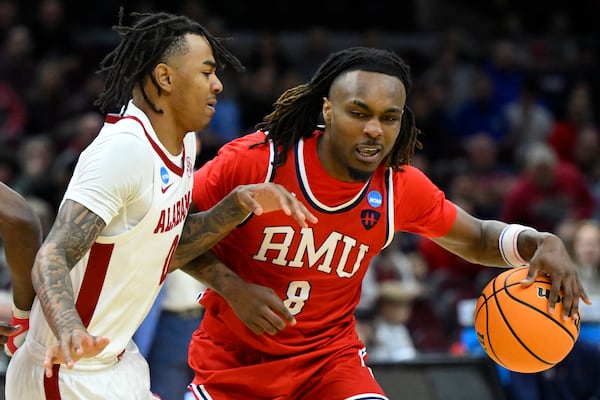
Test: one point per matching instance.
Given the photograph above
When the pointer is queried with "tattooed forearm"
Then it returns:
(72, 235)
(213, 273)
(203, 230)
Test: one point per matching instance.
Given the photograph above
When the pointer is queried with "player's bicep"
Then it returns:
(472, 239)
(464, 232)
(74, 231)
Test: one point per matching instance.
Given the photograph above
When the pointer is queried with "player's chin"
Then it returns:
(361, 173)
(204, 119)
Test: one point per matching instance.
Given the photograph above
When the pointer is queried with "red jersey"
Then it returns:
(317, 271)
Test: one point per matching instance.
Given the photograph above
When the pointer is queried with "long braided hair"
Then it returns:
(149, 41)
(298, 109)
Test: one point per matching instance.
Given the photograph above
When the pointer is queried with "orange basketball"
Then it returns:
(514, 327)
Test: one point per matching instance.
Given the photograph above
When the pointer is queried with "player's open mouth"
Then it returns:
(211, 104)
(368, 153)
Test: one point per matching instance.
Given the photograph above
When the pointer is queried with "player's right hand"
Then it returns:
(72, 347)
(260, 309)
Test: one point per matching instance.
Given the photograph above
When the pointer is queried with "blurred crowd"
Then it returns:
(509, 121)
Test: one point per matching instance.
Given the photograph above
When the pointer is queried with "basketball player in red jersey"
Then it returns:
(354, 174)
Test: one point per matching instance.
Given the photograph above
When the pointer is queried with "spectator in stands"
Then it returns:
(313, 50)
(36, 156)
(47, 99)
(481, 111)
(52, 32)
(73, 139)
(17, 59)
(12, 116)
(548, 191)
(409, 270)
(393, 340)
(487, 180)
(578, 114)
(9, 16)
(505, 67)
(585, 249)
(528, 121)
(452, 70)
(587, 158)
(266, 64)
(439, 147)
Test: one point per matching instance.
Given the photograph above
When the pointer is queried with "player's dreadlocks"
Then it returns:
(152, 38)
(298, 109)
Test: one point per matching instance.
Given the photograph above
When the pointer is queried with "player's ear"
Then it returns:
(162, 77)
(326, 110)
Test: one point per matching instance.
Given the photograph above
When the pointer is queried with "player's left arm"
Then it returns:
(21, 231)
(495, 243)
(74, 231)
(202, 230)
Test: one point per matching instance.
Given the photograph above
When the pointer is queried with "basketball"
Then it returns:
(514, 327)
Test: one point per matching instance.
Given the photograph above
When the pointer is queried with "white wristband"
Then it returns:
(507, 243)
(18, 313)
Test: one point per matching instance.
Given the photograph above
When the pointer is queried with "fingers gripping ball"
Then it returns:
(514, 327)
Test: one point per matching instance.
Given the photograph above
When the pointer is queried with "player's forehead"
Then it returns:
(361, 84)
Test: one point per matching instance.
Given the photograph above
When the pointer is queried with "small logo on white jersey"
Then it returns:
(164, 177)
(165, 188)
(164, 174)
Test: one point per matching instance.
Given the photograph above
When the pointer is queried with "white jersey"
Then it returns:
(144, 202)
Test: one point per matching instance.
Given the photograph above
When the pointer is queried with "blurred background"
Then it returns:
(507, 96)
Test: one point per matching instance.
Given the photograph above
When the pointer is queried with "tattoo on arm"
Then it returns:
(72, 235)
(203, 230)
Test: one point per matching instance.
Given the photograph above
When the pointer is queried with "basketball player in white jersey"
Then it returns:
(122, 217)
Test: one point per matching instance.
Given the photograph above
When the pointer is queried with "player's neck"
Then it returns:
(165, 128)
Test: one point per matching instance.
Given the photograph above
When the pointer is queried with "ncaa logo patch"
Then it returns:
(369, 218)
(374, 199)
(164, 174)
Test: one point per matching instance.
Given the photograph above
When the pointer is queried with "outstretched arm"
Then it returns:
(478, 241)
(72, 235)
(258, 307)
(203, 230)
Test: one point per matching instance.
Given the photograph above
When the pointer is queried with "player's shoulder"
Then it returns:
(241, 161)
(252, 140)
(408, 173)
(119, 142)
(119, 145)
(410, 180)
(250, 147)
